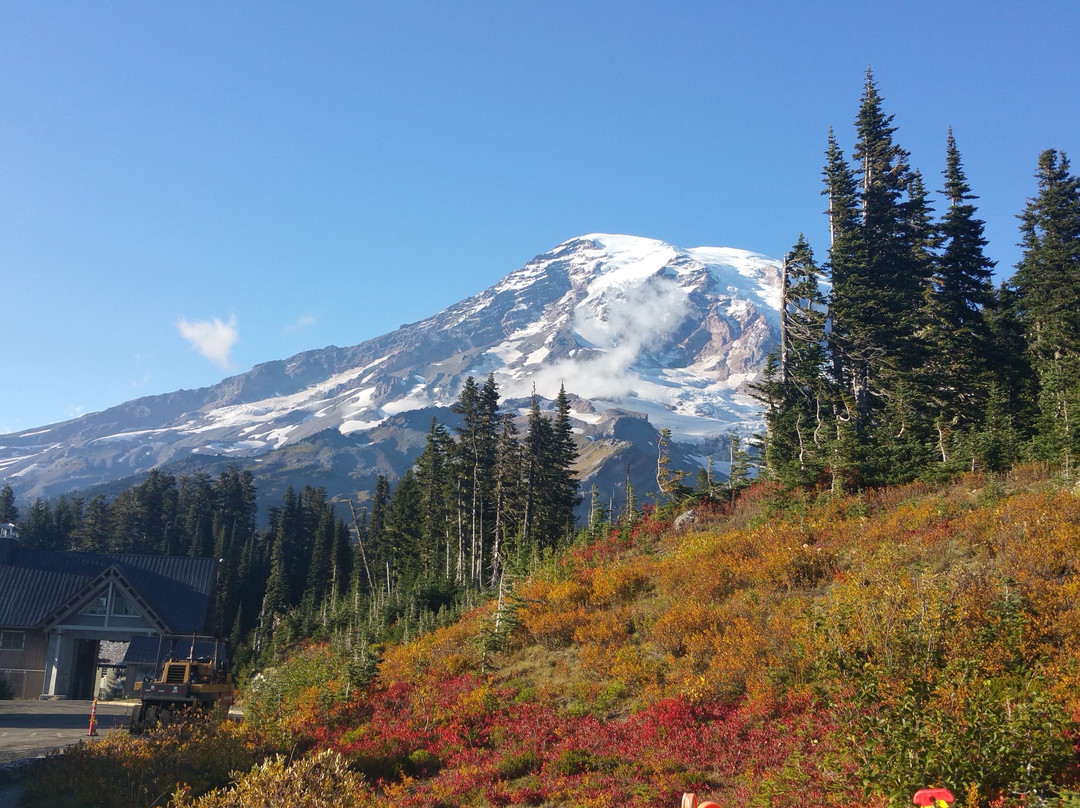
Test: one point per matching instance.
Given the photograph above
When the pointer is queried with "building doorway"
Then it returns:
(84, 673)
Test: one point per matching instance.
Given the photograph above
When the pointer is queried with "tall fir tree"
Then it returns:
(1047, 299)
(195, 506)
(9, 511)
(795, 391)
(341, 558)
(957, 369)
(852, 346)
(376, 532)
(436, 494)
(403, 531)
(564, 485)
(1047, 278)
(880, 261)
(508, 506)
(550, 488)
(94, 532)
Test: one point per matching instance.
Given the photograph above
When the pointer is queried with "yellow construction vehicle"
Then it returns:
(193, 674)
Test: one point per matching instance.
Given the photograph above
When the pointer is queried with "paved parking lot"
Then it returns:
(32, 728)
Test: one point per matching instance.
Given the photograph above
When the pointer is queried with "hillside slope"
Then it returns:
(790, 653)
(793, 652)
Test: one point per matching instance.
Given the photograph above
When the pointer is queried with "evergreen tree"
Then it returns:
(1012, 371)
(1047, 278)
(537, 454)
(891, 285)
(403, 530)
(852, 347)
(288, 549)
(957, 371)
(276, 598)
(363, 576)
(158, 496)
(37, 531)
(508, 502)
(251, 577)
(144, 517)
(881, 259)
(9, 511)
(475, 456)
(564, 485)
(341, 556)
(94, 530)
(550, 489)
(740, 466)
(1047, 283)
(376, 534)
(234, 502)
(227, 594)
(669, 481)
(598, 514)
(995, 447)
(67, 516)
(436, 496)
(628, 515)
(320, 568)
(195, 512)
(795, 391)
(902, 444)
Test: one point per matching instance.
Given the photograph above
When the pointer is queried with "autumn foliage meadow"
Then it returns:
(794, 650)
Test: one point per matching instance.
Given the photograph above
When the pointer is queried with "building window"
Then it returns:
(122, 606)
(12, 640)
(110, 602)
(98, 605)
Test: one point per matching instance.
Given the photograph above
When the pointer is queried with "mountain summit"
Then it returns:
(634, 328)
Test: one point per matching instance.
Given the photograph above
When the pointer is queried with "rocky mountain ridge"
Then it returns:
(643, 335)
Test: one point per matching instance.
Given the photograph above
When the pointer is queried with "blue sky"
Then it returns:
(259, 179)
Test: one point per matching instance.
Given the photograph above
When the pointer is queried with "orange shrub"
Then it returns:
(554, 610)
(447, 651)
(604, 628)
(621, 582)
(688, 626)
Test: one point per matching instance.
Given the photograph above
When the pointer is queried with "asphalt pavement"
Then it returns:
(31, 729)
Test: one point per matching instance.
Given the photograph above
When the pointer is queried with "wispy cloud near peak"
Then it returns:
(212, 338)
(302, 322)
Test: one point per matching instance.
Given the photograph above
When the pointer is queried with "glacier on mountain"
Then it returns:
(627, 324)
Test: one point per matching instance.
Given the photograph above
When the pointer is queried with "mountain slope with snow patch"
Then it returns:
(627, 324)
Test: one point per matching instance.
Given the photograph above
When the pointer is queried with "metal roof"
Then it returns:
(35, 583)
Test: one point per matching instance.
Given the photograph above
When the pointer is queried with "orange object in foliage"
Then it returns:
(931, 796)
(690, 801)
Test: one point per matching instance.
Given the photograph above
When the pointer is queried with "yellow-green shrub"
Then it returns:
(315, 781)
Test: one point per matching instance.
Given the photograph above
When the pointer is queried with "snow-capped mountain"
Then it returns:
(634, 328)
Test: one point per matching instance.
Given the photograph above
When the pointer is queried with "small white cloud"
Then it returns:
(212, 338)
(304, 321)
(144, 376)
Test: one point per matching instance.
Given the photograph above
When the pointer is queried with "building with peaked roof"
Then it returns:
(56, 607)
